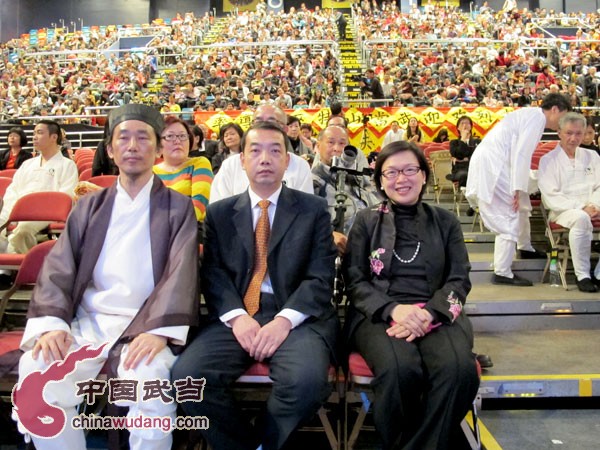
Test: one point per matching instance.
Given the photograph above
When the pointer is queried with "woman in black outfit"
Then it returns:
(14, 155)
(407, 281)
(462, 149)
(102, 164)
(589, 138)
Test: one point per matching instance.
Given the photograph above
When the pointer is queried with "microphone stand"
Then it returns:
(338, 225)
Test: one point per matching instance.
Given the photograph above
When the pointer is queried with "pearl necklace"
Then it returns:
(408, 261)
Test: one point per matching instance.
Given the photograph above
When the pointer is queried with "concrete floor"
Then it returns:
(554, 352)
(555, 429)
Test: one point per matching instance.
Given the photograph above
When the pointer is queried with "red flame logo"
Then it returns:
(38, 417)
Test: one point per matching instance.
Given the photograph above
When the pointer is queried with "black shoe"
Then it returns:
(485, 361)
(470, 212)
(596, 281)
(515, 281)
(586, 285)
(536, 254)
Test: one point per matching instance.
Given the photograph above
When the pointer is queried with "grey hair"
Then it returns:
(571, 117)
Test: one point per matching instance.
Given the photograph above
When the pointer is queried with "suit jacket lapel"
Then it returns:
(242, 218)
(284, 216)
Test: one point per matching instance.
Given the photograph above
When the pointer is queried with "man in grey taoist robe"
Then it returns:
(124, 273)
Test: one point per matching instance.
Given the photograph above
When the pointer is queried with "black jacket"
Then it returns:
(23, 156)
(372, 237)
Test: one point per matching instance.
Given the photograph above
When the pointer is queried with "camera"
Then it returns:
(359, 78)
(347, 161)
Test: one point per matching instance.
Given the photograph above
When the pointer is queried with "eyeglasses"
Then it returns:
(392, 174)
(174, 137)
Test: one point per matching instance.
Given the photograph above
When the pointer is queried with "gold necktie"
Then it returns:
(261, 245)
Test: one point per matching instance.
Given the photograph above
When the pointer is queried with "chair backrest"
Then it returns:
(84, 159)
(7, 173)
(85, 175)
(83, 153)
(102, 180)
(28, 272)
(441, 162)
(84, 164)
(49, 206)
(32, 264)
(4, 182)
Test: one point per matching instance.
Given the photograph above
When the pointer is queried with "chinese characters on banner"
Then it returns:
(368, 126)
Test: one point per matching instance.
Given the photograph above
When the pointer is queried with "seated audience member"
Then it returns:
(264, 306)
(50, 171)
(293, 133)
(413, 132)
(102, 164)
(442, 136)
(371, 86)
(307, 137)
(462, 149)
(65, 145)
(589, 138)
(526, 97)
(340, 121)
(201, 146)
(545, 79)
(569, 180)
(15, 154)
(191, 177)
(394, 134)
(122, 279)
(333, 142)
(232, 178)
(230, 136)
(407, 281)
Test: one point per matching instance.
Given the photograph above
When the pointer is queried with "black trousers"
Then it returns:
(423, 389)
(299, 370)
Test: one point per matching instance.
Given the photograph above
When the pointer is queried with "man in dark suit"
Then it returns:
(372, 85)
(341, 25)
(295, 326)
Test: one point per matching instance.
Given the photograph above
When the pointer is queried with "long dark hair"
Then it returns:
(409, 132)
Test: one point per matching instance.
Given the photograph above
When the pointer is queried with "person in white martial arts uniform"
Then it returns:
(569, 180)
(231, 179)
(123, 273)
(50, 171)
(498, 181)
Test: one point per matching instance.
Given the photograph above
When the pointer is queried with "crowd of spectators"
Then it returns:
(440, 56)
(82, 71)
(283, 69)
(497, 66)
(203, 78)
